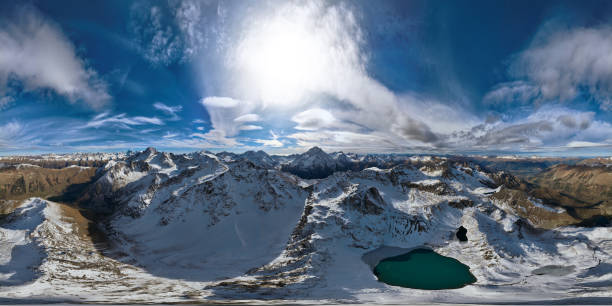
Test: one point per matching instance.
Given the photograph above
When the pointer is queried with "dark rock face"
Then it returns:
(506, 179)
(368, 202)
(440, 188)
(313, 173)
(313, 164)
(461, 204)
(462, 233)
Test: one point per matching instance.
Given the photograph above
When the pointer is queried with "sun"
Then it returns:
(284, 57)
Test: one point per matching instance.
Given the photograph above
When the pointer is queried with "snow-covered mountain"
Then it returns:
(316, 164)
(353, 220)
(259, 158)
(197, 227)
(229, 217)
(63, 160)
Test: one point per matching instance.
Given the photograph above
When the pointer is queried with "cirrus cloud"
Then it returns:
(121, 120)
(169, 110)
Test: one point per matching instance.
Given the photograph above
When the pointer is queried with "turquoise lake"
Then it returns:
(424, 269)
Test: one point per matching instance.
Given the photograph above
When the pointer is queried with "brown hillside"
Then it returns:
(21, 182)
(585, 190)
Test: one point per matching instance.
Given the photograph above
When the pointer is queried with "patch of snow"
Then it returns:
(22, 166)
(538, 203)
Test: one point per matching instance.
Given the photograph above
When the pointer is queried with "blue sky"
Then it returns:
(487, 77)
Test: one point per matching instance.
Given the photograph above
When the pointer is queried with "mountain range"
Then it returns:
(198, 227)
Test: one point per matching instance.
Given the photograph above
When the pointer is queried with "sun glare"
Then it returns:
(284, 58)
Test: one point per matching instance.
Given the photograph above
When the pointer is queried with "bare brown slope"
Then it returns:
(586, 191)
(18, 183)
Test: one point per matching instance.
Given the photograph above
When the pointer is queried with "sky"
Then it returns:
(441, 77)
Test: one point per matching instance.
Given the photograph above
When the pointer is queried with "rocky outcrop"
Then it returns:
(461, 234)
(368, 202)
(439, 188)
(502, 178)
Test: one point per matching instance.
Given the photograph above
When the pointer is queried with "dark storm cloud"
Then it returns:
(415, 130)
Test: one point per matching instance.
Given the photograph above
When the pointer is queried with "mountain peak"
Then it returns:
(150, 150)
(315, 150)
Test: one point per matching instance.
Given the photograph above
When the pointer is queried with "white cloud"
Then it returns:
(217, 138)
(10, 133)
(518, 92)
(228, 116)
(559, 65)
(248, 118)
(158, 41)
(5, 101)
(281, 58)
(585, 144)
(188, 17)
(221, 102)
(121, 120)
(439, 118)
(299, 50)
(250, 127)
(173, 33)
(352, 141)
(169, 110)
(170, 135)
(548, 127)
(270, 143)
(35, 52)
(40, 134)
(314, 119)
(273, 142)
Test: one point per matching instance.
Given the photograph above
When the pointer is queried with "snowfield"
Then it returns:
(198, 227)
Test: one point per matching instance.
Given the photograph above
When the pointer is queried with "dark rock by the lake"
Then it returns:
(462, 234)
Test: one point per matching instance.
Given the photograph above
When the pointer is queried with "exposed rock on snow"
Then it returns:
(462, 234)
(314, 163)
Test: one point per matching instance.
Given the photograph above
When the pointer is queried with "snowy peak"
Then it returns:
(312, 164)
(259, 158)
(315, 151)
(150, 150)
(342, 159)
(148, 153)
(129, 182)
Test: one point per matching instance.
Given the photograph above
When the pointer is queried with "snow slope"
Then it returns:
(215, 227)
(20, 248)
